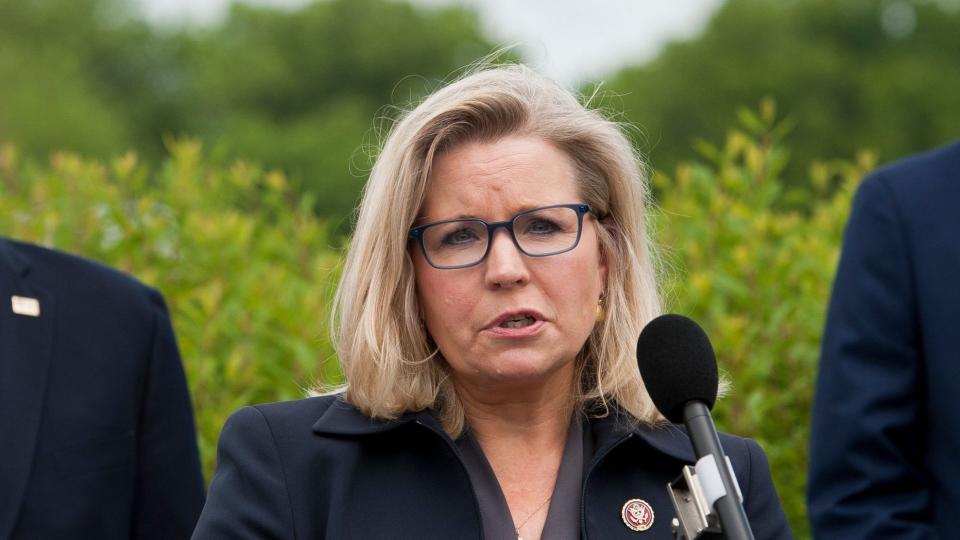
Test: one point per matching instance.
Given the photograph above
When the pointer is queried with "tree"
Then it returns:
(304, 90)
(48, 99)
(855, 74)
(300, 90)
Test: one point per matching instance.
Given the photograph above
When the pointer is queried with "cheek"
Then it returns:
(581, 278)
(444, 302)
(576, 286)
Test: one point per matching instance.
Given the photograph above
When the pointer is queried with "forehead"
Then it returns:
(494, 180)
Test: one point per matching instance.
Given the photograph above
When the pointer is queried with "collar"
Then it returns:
(670, 439)
(342, 418)
(11, 259)
(617, 428)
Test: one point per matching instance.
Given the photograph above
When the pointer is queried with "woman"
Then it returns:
(486, 319)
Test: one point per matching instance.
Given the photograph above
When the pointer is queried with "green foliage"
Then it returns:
(248, 271)
(47, 100)
(244, 264)
(292, 89)
(86, 76)
(749, 237)
(757, 275)
(297, 89)
(853, 74)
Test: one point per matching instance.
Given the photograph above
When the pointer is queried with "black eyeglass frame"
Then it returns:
(581, 209)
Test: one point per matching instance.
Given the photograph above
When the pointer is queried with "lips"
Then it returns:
(515, 320)
(518, 322)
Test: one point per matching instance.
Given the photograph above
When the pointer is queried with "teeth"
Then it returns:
(518, 322)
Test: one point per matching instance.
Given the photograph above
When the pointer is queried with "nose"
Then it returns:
(505, 265)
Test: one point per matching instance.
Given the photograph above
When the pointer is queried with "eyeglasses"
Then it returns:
(540, 232)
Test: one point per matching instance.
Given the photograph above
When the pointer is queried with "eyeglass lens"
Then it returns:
(544, 231)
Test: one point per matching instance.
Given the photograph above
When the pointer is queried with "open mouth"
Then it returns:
(519, 321)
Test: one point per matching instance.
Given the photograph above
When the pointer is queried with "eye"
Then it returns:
(459, 237)
(540, 226)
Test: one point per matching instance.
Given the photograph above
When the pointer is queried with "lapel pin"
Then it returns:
(637, 515)
(23, 305)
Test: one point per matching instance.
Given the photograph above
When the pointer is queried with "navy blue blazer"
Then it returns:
(318, 468)
(96, 429)
(885, 442)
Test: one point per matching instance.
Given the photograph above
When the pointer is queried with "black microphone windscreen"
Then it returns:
(677, 364)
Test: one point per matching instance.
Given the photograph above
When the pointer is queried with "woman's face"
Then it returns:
(512, 319)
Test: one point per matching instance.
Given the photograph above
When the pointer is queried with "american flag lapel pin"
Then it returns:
(24, 305)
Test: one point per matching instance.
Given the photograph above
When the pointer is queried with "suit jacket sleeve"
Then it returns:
(761, 503)
(248, 497)
(864, 477)
(170, 484)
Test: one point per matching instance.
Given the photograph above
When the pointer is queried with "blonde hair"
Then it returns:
(388, 359)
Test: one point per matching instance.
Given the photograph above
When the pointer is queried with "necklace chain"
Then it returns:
(524, 522)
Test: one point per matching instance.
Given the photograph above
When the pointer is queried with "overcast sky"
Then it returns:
(569, 40)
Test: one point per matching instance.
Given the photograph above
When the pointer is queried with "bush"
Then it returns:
(244, 265)
(757, 275)
(248, 271)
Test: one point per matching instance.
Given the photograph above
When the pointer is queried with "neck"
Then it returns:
(522, 429)
(532, 414)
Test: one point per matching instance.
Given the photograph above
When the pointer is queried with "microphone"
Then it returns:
(679, 369)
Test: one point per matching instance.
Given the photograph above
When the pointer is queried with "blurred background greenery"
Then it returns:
(221, 164)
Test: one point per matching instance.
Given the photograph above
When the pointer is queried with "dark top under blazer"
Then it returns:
(318, 468)
(885, 443)
(96, 429)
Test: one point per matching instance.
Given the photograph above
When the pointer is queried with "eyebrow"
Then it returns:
(423, 219)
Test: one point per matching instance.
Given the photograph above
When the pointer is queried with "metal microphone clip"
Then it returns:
(693, 494)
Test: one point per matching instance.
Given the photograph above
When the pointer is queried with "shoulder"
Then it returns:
(741, 446)
(71, 275)
(745, 454)
(290, 439)
(926, 176)
(285, 422)
(750, 463)
(748, 458)
(673, 440)
(291, 412)
(304, 430)
(930, 164)
(910, 206)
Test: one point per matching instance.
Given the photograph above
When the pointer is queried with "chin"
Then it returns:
(524, 367)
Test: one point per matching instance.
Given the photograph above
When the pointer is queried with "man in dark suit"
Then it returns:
(885, 443)
(96, 428)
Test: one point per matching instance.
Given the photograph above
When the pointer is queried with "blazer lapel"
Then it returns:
(25, 350)
(341, 418)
